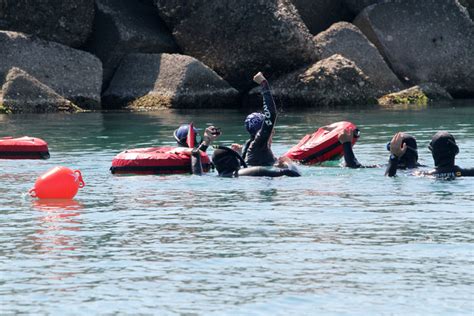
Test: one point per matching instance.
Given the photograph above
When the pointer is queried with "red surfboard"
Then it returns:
(156, 160)
(320, 146)
(23, 148)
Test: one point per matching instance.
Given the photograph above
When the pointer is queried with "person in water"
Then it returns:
(229, 163)
(443, 148)
(407, 160)
(403, 153)
(261, 127)
(181, 136)
(210, 134)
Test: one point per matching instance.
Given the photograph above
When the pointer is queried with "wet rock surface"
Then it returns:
(155, 81)
(63, 21)
(73, 74)
(22, 93)
(238, 38)
(75, 48)
(346, 39)
(318, 15)
(419, 95)
(330, 82)
(424, 41)
(122, 27)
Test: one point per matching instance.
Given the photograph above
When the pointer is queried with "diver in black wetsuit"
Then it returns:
(444, 149)
(181, 135)
(404, 153)
(408, 160)
(230, 164)
(227, 161)
(257, 150)
(345, 138)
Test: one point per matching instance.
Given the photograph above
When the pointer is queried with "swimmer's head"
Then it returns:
(181, 134)
(253, 123)
(443, 147)
(226, 161)
(410, 158)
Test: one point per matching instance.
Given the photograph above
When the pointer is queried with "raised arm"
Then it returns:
(397, 150)
(269, 109)
(210, 134)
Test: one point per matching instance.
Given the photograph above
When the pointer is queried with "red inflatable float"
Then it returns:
(322, 145)
(156, 160)
(23, 148)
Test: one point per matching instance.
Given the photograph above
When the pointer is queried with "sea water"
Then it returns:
(335, 241)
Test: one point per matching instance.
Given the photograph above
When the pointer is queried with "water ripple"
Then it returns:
(333, 242)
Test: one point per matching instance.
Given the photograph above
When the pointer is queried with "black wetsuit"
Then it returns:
(265, 172)
(349, 157)
(450, 171)
(228, 164)
(391, 170)
(393, 164)
(196, 164)
(257, 151)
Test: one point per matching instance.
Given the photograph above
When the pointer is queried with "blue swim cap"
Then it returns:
(181, 133)
(253, 122)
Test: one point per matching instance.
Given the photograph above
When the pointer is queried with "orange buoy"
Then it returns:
(58, 183)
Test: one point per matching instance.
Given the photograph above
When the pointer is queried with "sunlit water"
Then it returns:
(333, 242)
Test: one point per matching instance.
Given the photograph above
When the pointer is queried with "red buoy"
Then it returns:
(58, 183)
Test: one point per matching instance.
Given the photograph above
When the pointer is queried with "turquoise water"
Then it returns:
(333, 242)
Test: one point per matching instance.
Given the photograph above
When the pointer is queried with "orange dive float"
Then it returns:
(23, 148)
(322, 145)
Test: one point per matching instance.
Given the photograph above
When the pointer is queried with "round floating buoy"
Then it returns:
(58, 183)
